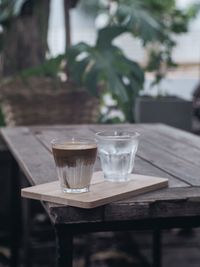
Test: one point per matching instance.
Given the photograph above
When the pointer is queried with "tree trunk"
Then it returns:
(67, 5)
(25, 38)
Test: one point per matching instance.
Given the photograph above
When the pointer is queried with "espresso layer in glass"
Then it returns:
(74, 162)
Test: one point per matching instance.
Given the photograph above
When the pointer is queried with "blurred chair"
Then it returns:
(42, 101)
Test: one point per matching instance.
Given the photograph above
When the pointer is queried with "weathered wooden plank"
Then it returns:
(98, 127)
(166, 194)
(171, 164)
(160, 156)
(151, 157)
(70, 215)
(163, 209)
(178, 135)
(145, 168)
(141, 166)
(155, 172)
(35, 161)
(181, 202)
(45, 137)
(171, 144)
(182, 168)
(164, 203)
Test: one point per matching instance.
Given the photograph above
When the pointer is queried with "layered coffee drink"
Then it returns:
(74, 162)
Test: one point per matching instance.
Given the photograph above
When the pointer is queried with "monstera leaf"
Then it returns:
(104, 64)
(108, 34)
(136, 17)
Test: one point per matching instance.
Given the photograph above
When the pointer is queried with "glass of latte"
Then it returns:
(74, 159)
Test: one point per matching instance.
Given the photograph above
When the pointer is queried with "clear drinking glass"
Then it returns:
(74, 159)
(117, 151)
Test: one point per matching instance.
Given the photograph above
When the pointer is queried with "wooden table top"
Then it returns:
(163, 151)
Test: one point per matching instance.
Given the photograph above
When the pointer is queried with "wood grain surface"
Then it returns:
(163, 152)
(101, 192)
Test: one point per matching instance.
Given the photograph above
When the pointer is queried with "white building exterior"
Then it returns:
(83, 29)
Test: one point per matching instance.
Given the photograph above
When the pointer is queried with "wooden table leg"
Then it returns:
(64, 247)
(15, 217)
(157, 248)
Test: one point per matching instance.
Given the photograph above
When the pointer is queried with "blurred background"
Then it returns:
(98, 61)
(159, 45)
(83, 28)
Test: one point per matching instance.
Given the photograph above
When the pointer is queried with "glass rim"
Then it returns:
(71, 140)
(115, 135)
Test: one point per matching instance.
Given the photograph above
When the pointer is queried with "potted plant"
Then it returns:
(168, 109)
(39, 96)
(104, 67)
(104, 64)
(29, 97)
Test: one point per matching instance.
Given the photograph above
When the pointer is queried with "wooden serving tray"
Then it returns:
(101, 191)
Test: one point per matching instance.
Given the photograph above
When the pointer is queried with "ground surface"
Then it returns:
(112, 250)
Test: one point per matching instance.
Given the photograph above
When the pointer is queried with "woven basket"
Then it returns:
(38, 102)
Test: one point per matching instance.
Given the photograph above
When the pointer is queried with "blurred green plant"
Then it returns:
(105, 66)
(50, 68)
(173, 21)
(154, 22)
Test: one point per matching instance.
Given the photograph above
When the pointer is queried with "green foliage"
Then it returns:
(135, 16)
(105, 65)
(173, 21)
(105, 119)
(49, 68)
(154, 22)
(91, 7)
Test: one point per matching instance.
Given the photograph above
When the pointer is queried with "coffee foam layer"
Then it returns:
(74, 146)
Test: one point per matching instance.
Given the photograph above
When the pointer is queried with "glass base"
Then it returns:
(116, 178)
(76, 190)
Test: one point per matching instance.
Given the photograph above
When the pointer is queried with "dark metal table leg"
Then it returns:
(87, 250)
(26, 206)
(157, 248)
(64, 246)
(15, 217)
